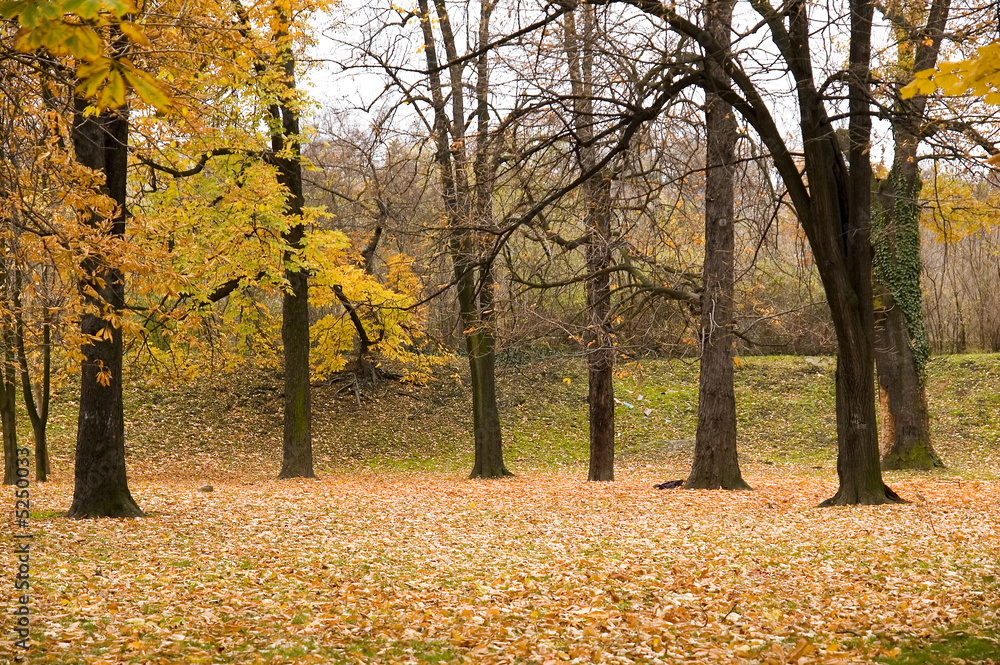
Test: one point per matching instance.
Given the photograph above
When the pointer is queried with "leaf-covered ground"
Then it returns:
(371, 563)
(374, 567)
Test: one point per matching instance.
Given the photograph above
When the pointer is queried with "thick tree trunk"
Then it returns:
(901, 348)
(601, 401)
(479, 345)
(101, 486)
(297, 456)
(488, 462)
(715, 464)
(460, 200)
(905, 434)
(596, 199)
(851, 303)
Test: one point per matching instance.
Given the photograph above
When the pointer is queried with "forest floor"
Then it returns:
(392, 555)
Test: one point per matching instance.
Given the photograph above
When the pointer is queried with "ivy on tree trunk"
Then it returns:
(901, 346)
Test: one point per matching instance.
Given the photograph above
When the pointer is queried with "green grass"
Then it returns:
(953, 647)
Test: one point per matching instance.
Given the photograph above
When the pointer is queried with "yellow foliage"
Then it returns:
(979, 75)
(957, 208)
(76, 29)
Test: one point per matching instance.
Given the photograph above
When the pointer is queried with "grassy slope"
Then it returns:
(231, 426)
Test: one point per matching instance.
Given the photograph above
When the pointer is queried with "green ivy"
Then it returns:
(897, 266)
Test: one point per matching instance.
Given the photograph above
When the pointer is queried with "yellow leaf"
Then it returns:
(135, 33)
(112, 95)
(919, 86)
(148, 88)
(81, 42)
(802, 648)
(567, 380)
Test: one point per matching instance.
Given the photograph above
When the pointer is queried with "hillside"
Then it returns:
(230, 426)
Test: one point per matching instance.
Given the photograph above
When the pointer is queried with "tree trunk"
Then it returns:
(482, 344)
(715, 464)
(600, 343)
(38, 412)
(858, 467)
(595, 194)
(8, 403)
(297, 455)
(601, 401)
(905, 435)
(479, 345)
(488, 462)
(101, 486)
(461, 201)
(901, 347)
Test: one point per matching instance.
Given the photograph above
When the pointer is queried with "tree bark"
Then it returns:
(8, 404)
(595, 194)
(901, 345)
(715, 464)
(285, 156)
(488, 461)
(101, 486)
(297, 455)
(905, 437)
(600, 343)
(481, 345)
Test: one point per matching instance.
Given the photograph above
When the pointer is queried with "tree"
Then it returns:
(715, 462)
(833, 205)
(901, 345)
(596, 200)
(38, 409)
(467, 207)
(275, 102)
(100, 143)
(297, 459)
(8, 391)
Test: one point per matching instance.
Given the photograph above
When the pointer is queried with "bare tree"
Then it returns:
(715, 462)
(832, 203)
